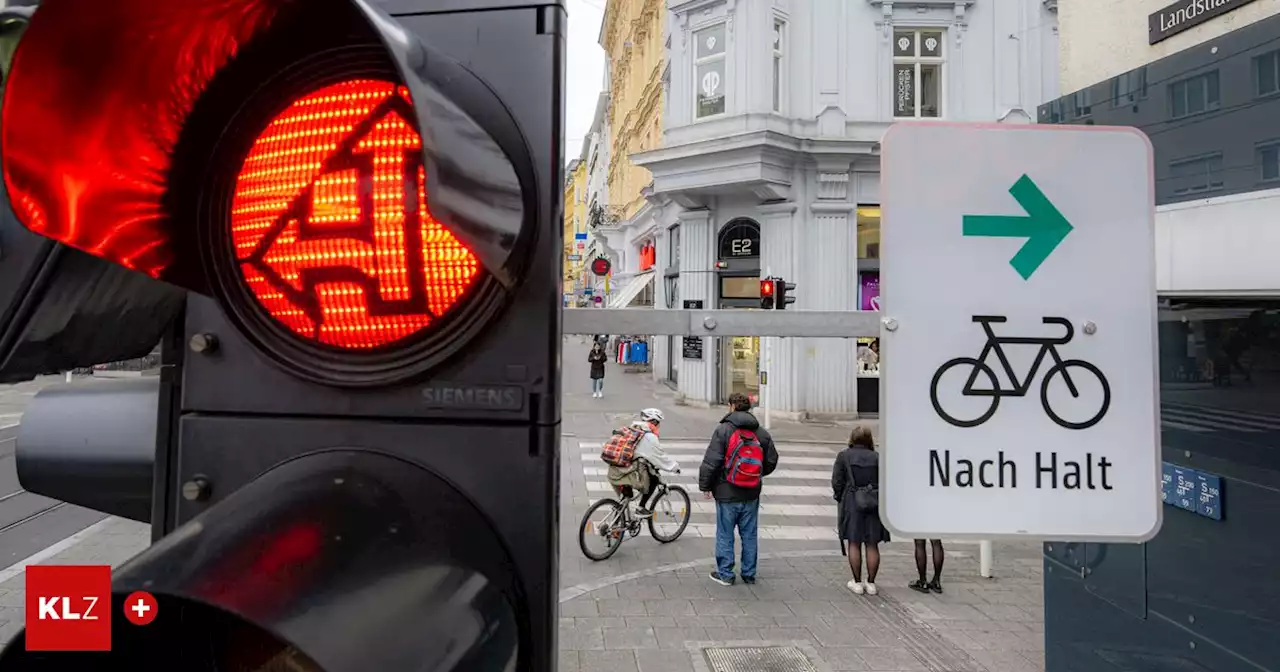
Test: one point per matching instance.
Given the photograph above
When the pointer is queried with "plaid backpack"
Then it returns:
(620, 449)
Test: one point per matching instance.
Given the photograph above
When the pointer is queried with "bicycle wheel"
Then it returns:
(607, 527)
(992, 393)
(1092, 370)
(671, 507)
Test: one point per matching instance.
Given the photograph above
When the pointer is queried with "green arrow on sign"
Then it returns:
(1043, 227)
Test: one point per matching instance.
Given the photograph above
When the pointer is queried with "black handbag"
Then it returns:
(866, 498)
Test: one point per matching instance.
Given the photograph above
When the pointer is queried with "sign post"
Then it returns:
(1019, 395)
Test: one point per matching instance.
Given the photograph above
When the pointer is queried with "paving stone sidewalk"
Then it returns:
(663, 620)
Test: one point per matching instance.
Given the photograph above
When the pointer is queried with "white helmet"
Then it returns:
(651, 415)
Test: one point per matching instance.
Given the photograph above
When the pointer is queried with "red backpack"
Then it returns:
(743, 459)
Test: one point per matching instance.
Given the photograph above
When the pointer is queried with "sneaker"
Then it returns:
(871, 588)
(936, 586)
(715, 576)
(749, 580)
(855, 586)
(643, 512)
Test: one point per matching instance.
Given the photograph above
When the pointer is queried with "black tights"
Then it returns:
(855, 560)
(922, 558)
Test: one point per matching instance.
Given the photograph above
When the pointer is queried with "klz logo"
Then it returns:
(68, 608)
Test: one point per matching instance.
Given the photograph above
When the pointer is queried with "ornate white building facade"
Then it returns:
(770, 165)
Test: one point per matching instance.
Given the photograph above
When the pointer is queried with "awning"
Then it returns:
(634, 286)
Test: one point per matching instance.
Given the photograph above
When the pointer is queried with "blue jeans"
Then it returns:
(745, 516)
(597, 385)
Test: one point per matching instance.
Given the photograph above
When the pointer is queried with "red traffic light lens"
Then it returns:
(766, 288)
(330, 223)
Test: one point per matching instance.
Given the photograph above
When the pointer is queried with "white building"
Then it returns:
(770, 163)
(597, 157)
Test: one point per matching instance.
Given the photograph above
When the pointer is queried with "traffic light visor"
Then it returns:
(100, 110)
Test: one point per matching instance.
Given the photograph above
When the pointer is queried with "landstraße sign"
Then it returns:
(1186, 14)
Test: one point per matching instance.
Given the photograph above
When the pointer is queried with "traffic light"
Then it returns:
(783, 290)
(338, 218)
(766, 293)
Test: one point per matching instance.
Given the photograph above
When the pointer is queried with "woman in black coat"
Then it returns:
(855, 483)
(597, 359)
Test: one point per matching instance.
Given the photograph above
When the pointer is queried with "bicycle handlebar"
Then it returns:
(1065, 324)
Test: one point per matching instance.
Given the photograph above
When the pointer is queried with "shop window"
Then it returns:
(868, 233)
(1128, 88)
(1190, 176)
(1269, 161)
(917, 73)
(709, 78)
(648, 254)
(1194, 95)
(779, 66)
(740, 287)
(1219, 377)
(1266, 73)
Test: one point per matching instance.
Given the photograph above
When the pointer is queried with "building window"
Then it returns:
(673, 247)
(1082, 105)
(917, 73)
(1266, 73)
(1190, 176)
(1129, 88)
(1269, 161)
(1194, 95)
(779, 37)
(708, 71)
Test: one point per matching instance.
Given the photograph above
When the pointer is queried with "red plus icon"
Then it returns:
(140, 608)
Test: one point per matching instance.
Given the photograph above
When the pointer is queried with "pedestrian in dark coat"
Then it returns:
(855, 484)
(737, 507)
(597, 359)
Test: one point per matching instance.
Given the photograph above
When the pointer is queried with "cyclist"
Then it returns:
(648, 456)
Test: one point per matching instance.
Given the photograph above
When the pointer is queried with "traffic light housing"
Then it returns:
(339, 219)
(783, 291)
(767, 291)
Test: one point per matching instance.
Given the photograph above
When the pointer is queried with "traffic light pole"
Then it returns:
(789, 324)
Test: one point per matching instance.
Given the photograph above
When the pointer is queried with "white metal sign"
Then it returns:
(1019, 346)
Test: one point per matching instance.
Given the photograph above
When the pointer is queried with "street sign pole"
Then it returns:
(1032, 338)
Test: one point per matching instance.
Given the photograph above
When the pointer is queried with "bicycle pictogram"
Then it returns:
(1048, 346)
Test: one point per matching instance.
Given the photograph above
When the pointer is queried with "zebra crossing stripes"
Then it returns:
(1203, 419)
(796, 504)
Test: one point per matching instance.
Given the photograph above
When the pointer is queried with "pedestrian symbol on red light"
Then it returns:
(331, 226)
(140, 608)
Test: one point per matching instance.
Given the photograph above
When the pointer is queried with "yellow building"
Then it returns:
(632, 37)
(575, 220)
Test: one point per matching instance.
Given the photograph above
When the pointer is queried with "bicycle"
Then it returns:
(620, 519)
(1048, 346)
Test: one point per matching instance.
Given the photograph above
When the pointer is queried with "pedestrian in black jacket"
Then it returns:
(597, 359)
(739, 455)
